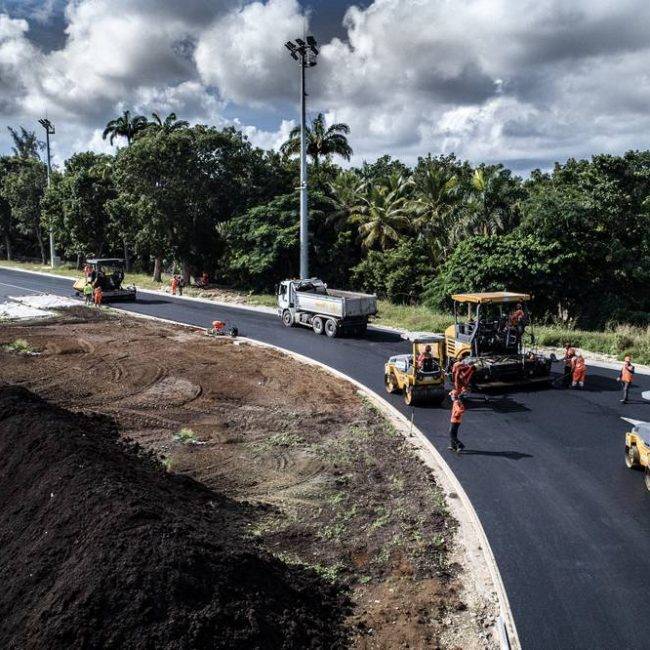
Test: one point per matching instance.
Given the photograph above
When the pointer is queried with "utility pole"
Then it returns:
(305, 54)
(49, 130)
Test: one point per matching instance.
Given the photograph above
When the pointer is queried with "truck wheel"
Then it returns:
(390, 383)
(632, 457)
(317, 324)
(331, 328)
(287, 318)
(647, 478)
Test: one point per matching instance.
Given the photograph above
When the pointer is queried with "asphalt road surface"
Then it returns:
(569, 524)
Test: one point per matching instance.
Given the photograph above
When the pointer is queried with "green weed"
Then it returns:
(20, 346)
(185, 437)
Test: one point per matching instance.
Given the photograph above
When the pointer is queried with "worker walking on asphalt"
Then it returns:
(461, 376)
(569, 354)
(457, 412)
(98, 295)
(174, 284)
(626, 377)
(88, 293)
(579, 371)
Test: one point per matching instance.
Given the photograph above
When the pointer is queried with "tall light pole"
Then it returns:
(305, 54)
(49, 130)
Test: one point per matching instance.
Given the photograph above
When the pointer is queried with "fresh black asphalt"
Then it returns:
(569, 524)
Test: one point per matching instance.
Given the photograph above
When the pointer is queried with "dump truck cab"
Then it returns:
(637, 447)
(108, 274)
(488, 331)
(423, 382)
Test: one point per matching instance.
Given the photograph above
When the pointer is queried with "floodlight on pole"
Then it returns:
(305, 54)
(49, 130)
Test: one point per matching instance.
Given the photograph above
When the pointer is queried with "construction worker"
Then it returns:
(517, 316)
(461, 376)
(88, 293)
(88, 270)
(181, 284)
(457, 412)
(579, 371)
(569, 354)
(98, 295)
(174, 284)
(425, 360)
(626, 377)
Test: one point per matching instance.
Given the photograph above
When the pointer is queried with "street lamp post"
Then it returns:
(49, 130)
(305, 54)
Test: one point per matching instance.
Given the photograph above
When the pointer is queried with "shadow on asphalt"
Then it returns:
(504, 404)
(512, 455)
(379, 336)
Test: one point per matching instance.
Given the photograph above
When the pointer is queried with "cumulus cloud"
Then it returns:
(524, 83)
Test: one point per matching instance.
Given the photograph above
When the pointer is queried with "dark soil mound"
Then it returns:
(99, 547)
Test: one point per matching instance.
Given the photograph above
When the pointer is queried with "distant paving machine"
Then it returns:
(107, 273)
(311, 303)
(424, 384)
(637, 447)
(491, 339)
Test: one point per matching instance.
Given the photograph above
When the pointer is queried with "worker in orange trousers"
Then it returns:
(98, 295)
(457, 412)
(579, 371)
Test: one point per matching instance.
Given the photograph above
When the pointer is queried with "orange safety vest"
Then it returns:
(569, 354)
(516, 316)
(457, 411)
(579, 369)
(627, 373)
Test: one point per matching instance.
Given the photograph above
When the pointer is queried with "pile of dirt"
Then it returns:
(100, 547)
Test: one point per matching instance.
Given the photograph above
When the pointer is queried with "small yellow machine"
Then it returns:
(107, 273)
(637, 447)
(419, 383)
(488, 331)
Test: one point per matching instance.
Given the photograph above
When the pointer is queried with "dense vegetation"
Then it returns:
(202, 199)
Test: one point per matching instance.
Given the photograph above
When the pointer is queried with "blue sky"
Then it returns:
(523, 83)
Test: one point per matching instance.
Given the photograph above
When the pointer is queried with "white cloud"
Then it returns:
(243, 53)
(535, 80)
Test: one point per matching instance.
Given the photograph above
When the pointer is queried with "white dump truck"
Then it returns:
(311, 304)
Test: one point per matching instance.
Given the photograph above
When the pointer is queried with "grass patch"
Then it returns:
(185, 437)
(278, 440)
(20, 346)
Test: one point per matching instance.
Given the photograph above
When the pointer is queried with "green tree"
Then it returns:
(6, 223)
(125, 126)
(26, 144)
(75, 206)
(382, 213)
(399, 274)
(23, 189)
(321, 142)
(168, 125)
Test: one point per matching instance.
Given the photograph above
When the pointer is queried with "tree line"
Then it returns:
(201, 199)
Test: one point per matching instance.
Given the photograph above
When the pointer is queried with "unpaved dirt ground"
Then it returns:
(332, 485)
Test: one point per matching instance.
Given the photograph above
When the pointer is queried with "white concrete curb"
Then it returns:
(505, 625)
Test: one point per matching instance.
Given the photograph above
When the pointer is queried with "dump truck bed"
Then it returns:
(339, 304)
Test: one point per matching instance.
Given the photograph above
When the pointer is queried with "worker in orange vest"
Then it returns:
(457, 412)
(569, 354)
(626, 377)
(174, 284)
(579, 371)
(461, 376)
(98, 295)
(517, 316)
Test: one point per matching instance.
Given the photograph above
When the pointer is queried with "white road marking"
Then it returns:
(15, 286)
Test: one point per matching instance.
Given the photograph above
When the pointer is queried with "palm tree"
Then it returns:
(168, 125)
(321, 142)
(346, 190)
(382, 213)
(437, 193)
(26, 144)
(487, 205)
(125, 126)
